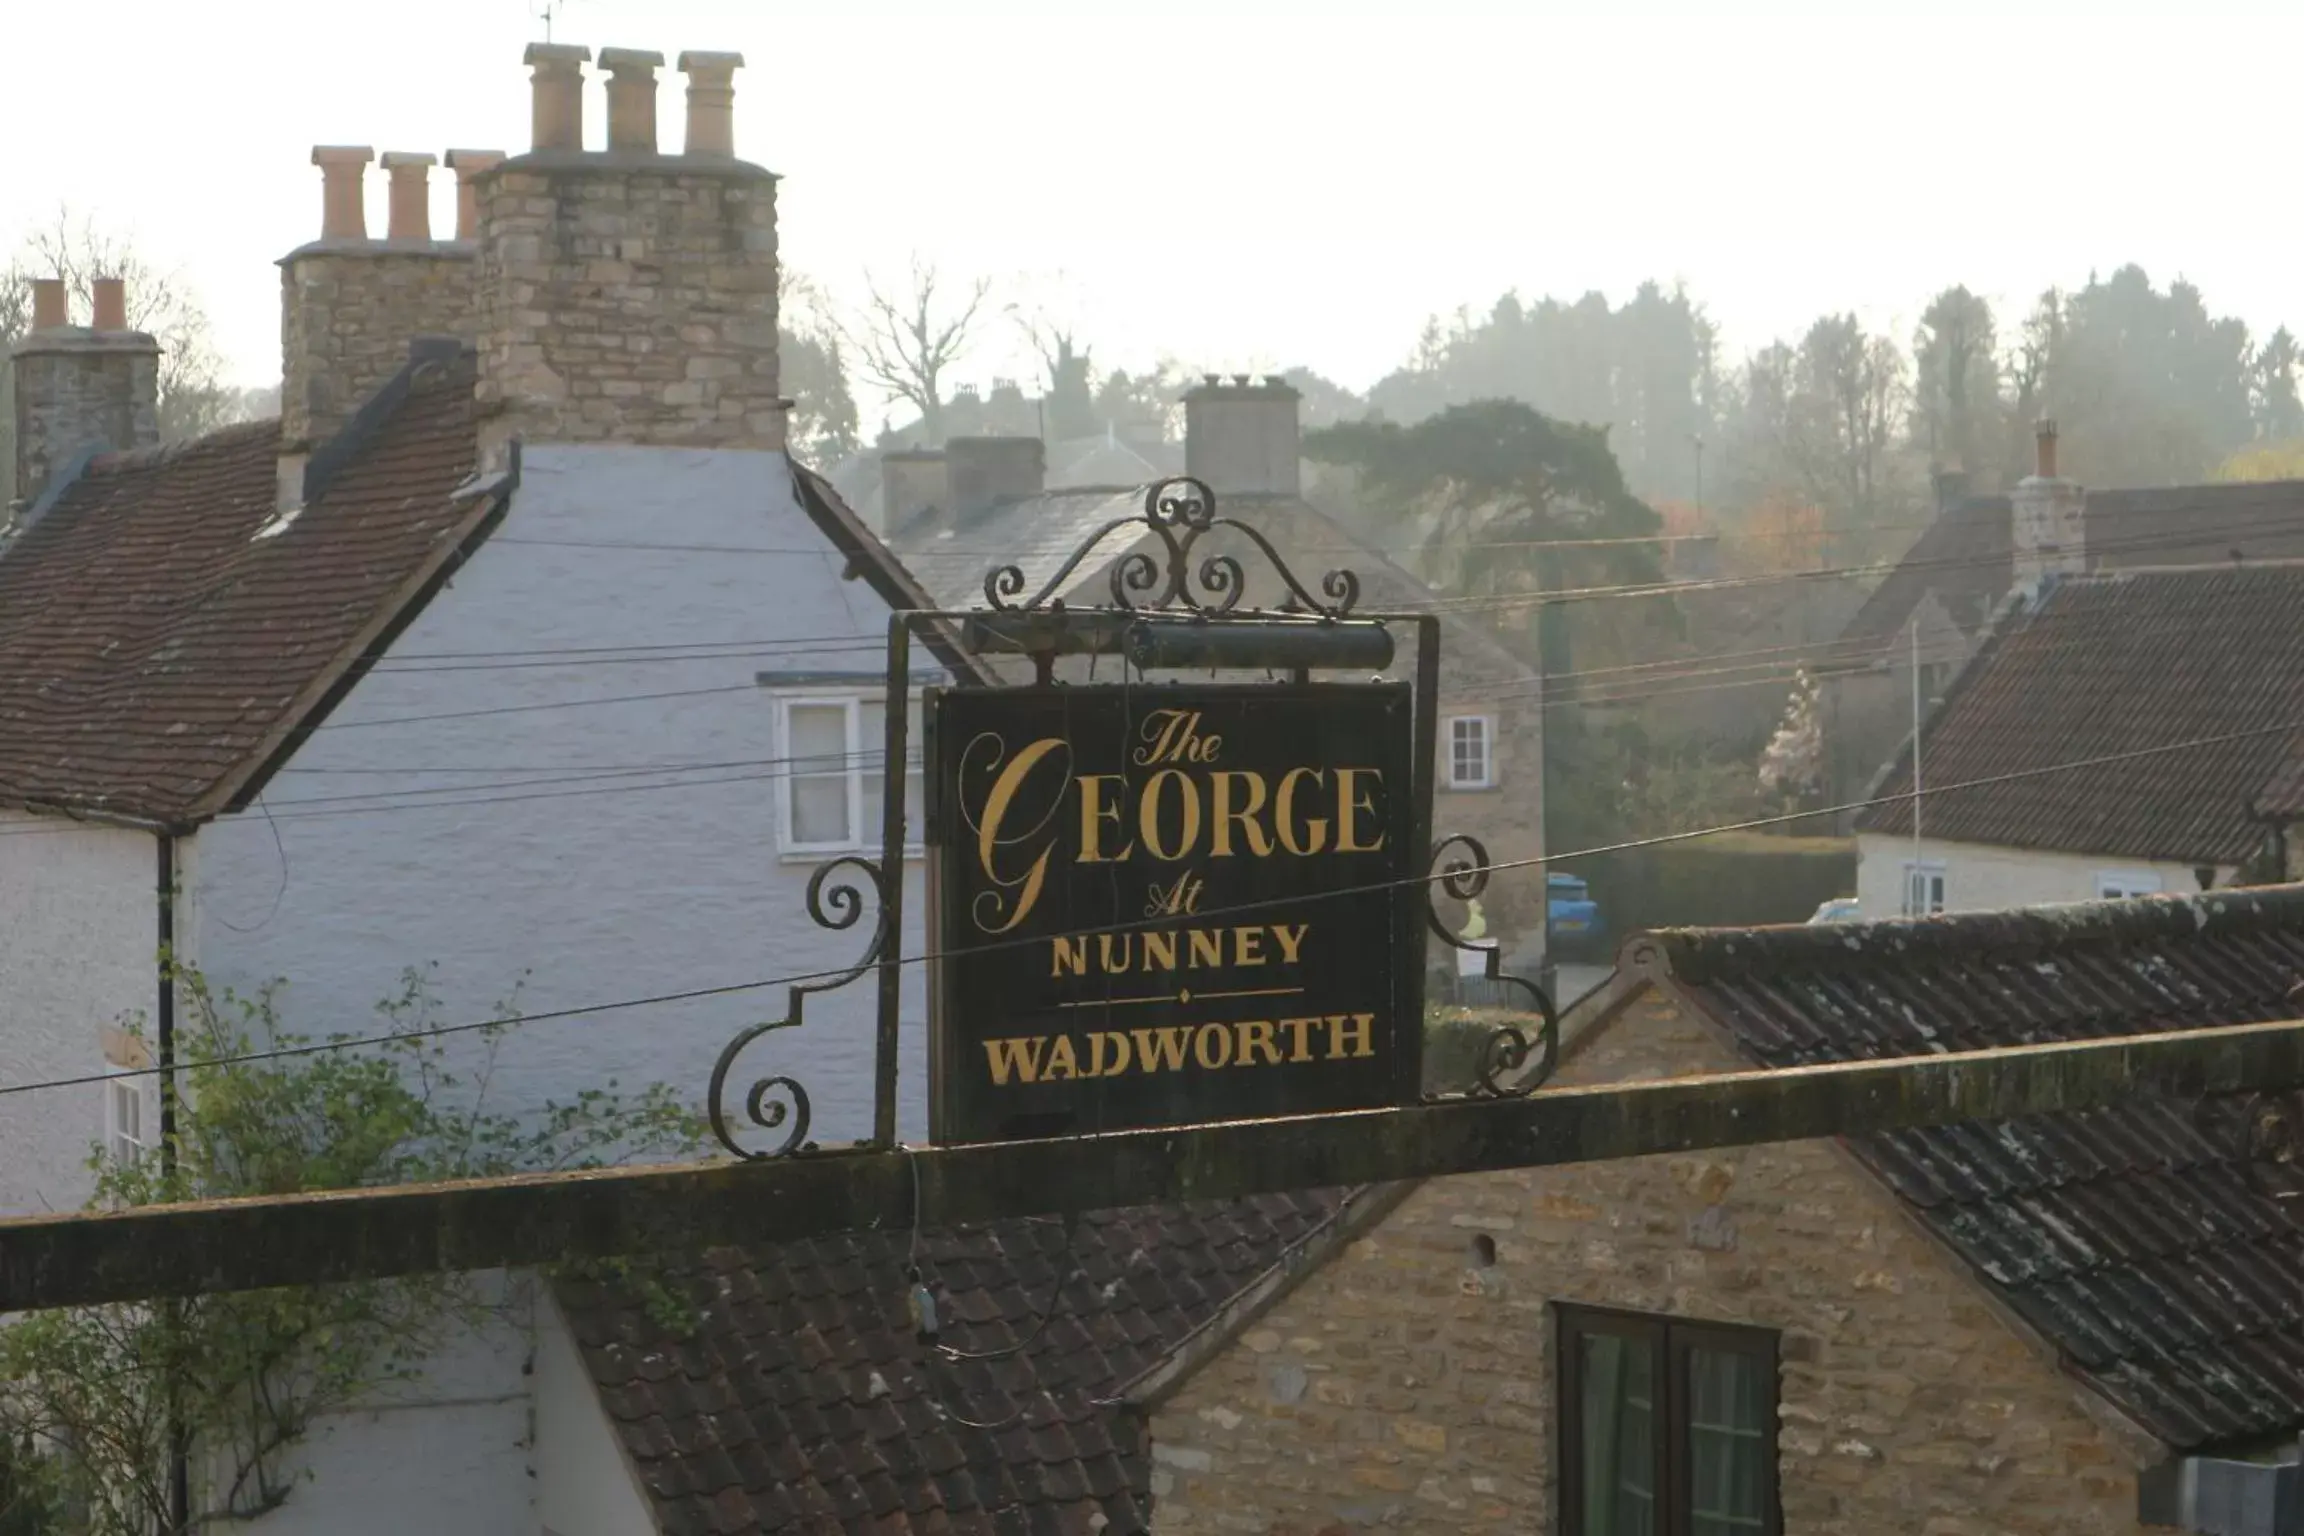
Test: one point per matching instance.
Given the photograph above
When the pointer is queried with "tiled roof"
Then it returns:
(2110, 667)
(802, 1401)
(1966, 555)
(2141, 1241)
(157, 643)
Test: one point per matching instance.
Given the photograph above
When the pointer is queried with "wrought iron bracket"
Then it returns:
(1178, 513)
(779, 1102)
(1505, 1070)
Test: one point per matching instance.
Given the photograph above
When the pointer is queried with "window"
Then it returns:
(124, 1118)
(1923, 889)
(1471, 752)
(1667, 1428)
(2118, 885)
(833, 779)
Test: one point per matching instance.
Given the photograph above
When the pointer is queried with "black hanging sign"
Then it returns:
(1159, 905)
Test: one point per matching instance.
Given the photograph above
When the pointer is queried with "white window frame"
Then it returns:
(1487, 775)
(2120, 884)
(1914, 874)
(125, 1100)
(862, 839)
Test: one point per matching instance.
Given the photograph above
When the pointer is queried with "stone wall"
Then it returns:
(348, 309)
(1408, 1386)
(77, 389)
(629, 298)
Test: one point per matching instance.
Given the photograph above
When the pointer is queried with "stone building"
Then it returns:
(2040, 1326)
(956, 514)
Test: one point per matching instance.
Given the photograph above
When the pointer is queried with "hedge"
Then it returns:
(1730, 879)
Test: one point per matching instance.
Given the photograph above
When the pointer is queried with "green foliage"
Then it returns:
(97, 1389)
(1729, 879)
(1647, 371)
(1487, 483)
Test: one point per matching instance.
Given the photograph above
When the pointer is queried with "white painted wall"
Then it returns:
(451, 1455)
(437, 819)
(584, 1483)
(1981, 877)
(443, 818)
(79, 950)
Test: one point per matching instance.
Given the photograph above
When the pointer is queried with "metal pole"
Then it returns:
(893, 773)
(1919, 875)
(164, 1031)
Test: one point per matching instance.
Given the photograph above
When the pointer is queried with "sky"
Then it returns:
(1256, 184)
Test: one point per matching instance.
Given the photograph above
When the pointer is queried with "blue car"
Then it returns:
(1573, 925)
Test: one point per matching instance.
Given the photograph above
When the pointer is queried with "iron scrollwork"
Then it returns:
(1178, 513)
(1504, 1070)
(779, 1102)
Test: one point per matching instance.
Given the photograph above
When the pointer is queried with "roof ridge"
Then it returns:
(231, 434)
(1700, 955)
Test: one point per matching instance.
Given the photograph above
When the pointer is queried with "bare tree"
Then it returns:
(814, 368)
(1070, 387)
(910, 340)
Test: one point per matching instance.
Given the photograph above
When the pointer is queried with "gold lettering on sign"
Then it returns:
(1225, 815)
(1314, 835)
(1350, 806)
(1188, 797)
(1093, 814)
(1173, 736)
(1108, 1053)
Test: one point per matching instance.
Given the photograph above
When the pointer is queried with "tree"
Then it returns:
(2279, 413)
(1823, 424)
(1490, 484)
(909, 341)
(100, 1394)
(2147, 387)
(1648, 371)
(1068, 394)
(1958, 416)
(813, 366)
(1792, 764)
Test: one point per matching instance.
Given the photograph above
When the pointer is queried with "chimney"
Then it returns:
(81, 388)
(711, 98)
(631, 99)
(986, 471)
(1242, 437)
(912, 481)
(556, 87)
(350, 305)
(625, 295)
(1951, 487)
(470, 165)
(2048, 518)
(411, 196)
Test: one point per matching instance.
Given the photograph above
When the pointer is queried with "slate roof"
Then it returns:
(2112, 667)
(2142, 1241)
(801, 1400)
(1966, 556)
(157, 642)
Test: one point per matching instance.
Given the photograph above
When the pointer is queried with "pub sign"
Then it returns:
(1164, 904)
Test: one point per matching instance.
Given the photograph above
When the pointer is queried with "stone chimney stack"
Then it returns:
(912, 481)
(81, 388)
(2049, 518)
(351, 305)
(628, 295)
(1242, 438)
(983, 472)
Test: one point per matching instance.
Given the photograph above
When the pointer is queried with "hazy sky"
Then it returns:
(1252, 183)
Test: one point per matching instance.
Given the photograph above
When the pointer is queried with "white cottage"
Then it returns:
(516, 651)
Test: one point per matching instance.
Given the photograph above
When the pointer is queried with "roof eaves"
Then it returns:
(895, 584)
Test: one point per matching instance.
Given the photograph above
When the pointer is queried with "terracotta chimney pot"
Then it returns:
(411, 189)
(631, 98)
(109, 309)
(557, 87)
(711, 102)
(343, 192)
(468, 164)
(50, 307)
